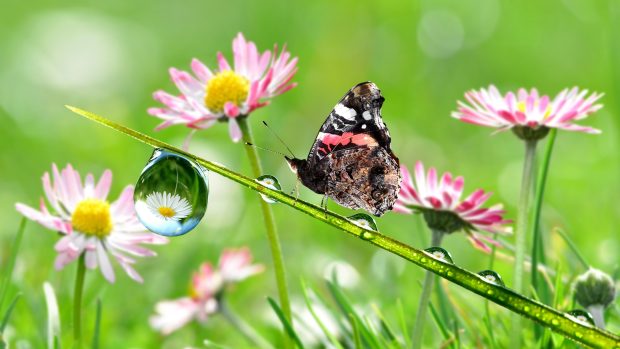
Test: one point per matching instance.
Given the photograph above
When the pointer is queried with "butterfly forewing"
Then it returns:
(354, 121)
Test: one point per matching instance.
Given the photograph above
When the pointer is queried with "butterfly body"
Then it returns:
(351, 161)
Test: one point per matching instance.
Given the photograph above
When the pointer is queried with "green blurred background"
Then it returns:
(108, 57)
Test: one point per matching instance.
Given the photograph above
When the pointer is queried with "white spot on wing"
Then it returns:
(366, 115)
(347, 113)
(363, 126)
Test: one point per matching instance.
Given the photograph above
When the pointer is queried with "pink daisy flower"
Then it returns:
(228, 93)
(236, 265)
(89, 224)
(174, 314)
(528, 110)
(208, 285)
(439, 199)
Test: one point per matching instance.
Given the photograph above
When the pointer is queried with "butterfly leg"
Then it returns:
(296, 191)
(324, 201)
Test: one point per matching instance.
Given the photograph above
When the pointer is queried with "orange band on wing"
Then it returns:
(346, 138)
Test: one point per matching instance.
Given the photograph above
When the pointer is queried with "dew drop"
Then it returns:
(555, 322)
(171, 194)
(366, 235)
(581, 316)
(440, 253)
(492, 277)
(364, 221)
(270, 182)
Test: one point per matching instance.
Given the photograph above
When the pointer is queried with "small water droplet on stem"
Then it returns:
(270, 182)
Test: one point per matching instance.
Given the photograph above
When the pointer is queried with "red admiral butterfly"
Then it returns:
(351, 161)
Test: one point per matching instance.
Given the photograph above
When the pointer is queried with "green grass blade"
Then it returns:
(6, 280)
(572, 247)
(356, 331)
(558, 294)
(345, 306)
(8, 312)
(538, 243)
(96, 335)
(386, 330)
(403, 322)
(440, 324)
(212, 345)
(53, 316)
(489, 326)
(287, 325)
(457, 335)
(445, 310)
(5, 320)
(310, 307)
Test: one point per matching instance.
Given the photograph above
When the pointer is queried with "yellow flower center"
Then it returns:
(166, 212)
(521, 108)
(226, 86)
(92, 217)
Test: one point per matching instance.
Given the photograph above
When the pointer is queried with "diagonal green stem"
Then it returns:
(527, 180)
(77, 302)
(427, 287)
(507, 298)
(270, 225)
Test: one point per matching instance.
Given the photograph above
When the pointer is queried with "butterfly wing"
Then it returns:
(363, 177)
(355, 121)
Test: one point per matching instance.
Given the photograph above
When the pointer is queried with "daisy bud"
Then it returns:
(594, 287)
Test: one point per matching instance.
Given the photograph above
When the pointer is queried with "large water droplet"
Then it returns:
(270, 182)
(581, 316)
(363, 220)
(492, 277)
(171, 194)
(440, 253)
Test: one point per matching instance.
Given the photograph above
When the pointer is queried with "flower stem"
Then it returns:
(505, 297)
(537, 241)
(246, 330)
(598, 314)
(527, 180)
(270, 225)
(77, 302)
(427, 287)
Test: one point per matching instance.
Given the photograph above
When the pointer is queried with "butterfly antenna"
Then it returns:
(265, 149)
(280, 139)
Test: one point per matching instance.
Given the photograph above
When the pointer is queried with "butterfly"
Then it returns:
(351, 161)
